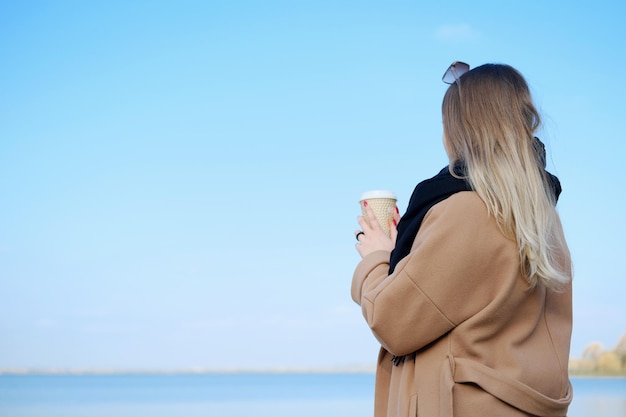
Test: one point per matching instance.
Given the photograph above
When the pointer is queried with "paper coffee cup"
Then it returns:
(382, 203)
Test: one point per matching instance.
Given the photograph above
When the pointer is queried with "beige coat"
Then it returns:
(479, 341)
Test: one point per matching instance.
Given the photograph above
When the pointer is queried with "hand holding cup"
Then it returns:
(383, 205)
(378, 222)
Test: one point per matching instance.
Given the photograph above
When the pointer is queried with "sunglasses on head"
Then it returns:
(455, 71)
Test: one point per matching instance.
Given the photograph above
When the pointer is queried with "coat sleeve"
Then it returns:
(447, 277)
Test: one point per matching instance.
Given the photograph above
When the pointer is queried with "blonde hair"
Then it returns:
(489, 124)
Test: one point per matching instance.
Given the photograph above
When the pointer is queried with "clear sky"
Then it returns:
(179, 180)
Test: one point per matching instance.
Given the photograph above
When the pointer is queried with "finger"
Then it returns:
(370, 215)
(359, 248)
(392, 224)
(393, 230)
(396, 215)
(365, 226)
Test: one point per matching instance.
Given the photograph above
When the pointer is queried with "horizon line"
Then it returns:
(356, 369)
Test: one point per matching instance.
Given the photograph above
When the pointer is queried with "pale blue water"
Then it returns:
(236, 395)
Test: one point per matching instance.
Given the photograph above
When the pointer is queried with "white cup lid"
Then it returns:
(378, 194)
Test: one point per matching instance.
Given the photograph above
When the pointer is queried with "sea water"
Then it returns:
(235, 395)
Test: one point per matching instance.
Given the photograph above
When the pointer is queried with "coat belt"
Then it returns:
(513, 392)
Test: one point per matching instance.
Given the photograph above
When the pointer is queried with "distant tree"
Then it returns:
(609, 362)
(620, 350)
(595, 360)
(589, 360)
(593, 350)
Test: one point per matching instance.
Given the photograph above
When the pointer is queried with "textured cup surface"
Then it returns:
(383, 204)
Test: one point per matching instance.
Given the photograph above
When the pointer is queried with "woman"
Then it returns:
(470, 297)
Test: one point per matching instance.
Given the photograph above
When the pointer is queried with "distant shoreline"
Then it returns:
(192, 371)
(243, 371)
(577, 374)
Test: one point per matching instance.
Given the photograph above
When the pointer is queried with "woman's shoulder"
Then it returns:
(460, 206)
(464, 217)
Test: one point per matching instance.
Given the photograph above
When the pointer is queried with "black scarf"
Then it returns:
(427, 193)
(434, 190)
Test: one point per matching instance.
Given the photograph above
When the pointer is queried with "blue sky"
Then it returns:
(180, 179)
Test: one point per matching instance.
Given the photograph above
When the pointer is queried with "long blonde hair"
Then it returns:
(489, 124)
